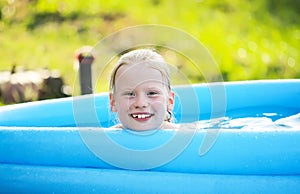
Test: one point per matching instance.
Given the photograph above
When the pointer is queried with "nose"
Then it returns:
(141, 101)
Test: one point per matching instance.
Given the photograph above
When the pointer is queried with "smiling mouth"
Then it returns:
(141, 115)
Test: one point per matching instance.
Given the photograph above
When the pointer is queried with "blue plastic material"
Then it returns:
(48, 179)
(49, 146)
(234, 96)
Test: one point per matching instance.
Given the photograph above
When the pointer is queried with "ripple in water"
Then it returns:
(263, 122)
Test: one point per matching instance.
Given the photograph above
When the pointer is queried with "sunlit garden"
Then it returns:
(249, 40)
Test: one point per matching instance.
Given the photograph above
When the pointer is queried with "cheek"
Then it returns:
(160, 104)
(123, 104)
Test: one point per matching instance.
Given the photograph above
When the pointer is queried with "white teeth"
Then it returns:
(140, 116)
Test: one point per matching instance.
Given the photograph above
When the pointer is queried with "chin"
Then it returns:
(143, 128)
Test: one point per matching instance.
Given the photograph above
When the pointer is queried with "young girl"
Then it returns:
(140, 91)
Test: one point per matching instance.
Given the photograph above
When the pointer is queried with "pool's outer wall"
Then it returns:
(198, 101)
(39, 155)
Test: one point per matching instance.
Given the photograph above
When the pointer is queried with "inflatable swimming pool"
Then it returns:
(64, 146)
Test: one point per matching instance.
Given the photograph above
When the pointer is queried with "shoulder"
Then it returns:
(118, 126)
(168, 125)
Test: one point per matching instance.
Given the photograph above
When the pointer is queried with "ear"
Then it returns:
(112, 103)
(171, 101)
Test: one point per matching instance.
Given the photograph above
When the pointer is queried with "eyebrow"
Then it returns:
(155, 88)
(124, 90)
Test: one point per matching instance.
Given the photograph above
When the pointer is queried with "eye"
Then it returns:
(153, 93)
(129, 94)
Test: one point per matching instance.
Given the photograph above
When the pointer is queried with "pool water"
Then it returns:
(279, 119)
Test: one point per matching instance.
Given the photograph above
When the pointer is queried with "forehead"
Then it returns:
(132, 76)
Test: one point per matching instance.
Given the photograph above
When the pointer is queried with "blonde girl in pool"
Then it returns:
(140, 91)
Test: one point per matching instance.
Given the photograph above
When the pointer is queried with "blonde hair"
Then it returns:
(142, 57)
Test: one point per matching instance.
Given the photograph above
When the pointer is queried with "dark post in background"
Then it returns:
(85, 59)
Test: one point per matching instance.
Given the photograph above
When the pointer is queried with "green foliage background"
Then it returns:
(249, 39)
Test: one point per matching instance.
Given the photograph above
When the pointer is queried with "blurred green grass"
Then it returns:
(251, 39)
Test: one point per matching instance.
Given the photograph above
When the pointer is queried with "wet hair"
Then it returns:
(147, 57)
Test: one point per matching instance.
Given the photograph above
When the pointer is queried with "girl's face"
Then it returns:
(141, 98)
